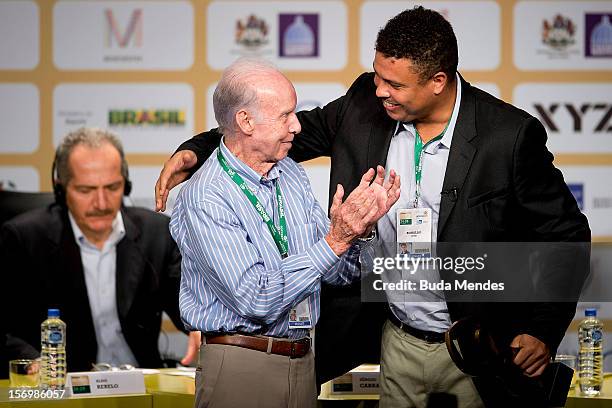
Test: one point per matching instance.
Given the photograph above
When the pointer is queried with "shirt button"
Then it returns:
(413, 316)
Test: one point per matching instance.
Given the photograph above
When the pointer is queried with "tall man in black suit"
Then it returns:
(111, 270)
(486, 176)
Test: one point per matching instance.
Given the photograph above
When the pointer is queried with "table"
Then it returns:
(604, 399)
(168, 391)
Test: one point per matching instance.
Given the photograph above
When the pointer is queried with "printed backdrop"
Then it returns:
(147, 70)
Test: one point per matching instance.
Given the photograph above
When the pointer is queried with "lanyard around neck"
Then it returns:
(278, 234)
(419, 147)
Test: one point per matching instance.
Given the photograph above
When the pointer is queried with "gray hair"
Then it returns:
(234, 92)
(90, 137)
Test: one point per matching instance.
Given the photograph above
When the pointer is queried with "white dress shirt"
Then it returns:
(99, 267)
(419, 309)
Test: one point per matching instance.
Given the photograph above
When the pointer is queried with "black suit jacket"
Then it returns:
(43, 269)
(507, 189)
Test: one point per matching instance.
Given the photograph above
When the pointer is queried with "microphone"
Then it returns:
(452, 193)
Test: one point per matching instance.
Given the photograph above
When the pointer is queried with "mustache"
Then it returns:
(99, 213)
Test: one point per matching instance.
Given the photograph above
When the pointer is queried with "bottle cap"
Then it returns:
(53, 313)
(590, 312)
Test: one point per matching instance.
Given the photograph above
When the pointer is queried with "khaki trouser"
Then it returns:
(412, 369)
(230, 376)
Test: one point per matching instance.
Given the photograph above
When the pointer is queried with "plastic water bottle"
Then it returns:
(590, 359)
(53, 351)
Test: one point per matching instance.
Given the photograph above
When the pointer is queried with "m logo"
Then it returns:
(132, 33)
(577, 114)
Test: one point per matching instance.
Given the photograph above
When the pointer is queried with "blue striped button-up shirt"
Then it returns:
(233, 276)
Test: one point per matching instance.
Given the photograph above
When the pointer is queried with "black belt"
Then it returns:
(428, 336)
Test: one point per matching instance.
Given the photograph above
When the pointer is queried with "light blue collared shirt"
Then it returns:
(425, 311)
(233, 277)
(100, 268)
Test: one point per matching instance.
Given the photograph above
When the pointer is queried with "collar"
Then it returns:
(247, 173)
(448, 135)
(116, 235)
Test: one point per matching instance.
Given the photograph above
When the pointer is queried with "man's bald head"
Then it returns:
(242, 85)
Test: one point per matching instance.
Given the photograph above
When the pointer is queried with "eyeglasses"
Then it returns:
(109, 367)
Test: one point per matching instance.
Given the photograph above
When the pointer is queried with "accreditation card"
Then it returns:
(300, 317)
(414, 227)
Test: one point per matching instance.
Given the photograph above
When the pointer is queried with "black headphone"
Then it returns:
(60, 192)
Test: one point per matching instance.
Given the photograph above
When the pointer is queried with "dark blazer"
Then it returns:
(506, 186)
(43, 269)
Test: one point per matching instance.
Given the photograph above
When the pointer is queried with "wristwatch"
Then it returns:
(368, 238)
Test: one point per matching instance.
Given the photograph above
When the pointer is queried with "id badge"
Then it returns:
(299, 317)
(414, 232)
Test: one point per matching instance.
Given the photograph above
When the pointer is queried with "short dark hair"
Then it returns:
(425, 38)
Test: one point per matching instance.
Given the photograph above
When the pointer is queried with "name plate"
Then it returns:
(361, 380)
(105, 383)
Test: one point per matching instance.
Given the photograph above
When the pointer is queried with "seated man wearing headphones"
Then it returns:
(110, 269)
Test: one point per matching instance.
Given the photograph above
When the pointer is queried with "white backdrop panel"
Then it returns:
(148, 118)
(479, 50)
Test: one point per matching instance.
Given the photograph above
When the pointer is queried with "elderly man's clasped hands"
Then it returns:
(357, 215)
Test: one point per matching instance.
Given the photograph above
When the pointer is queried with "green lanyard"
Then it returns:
(418, 163)
(278, 234)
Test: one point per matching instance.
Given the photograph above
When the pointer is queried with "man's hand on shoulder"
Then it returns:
(175, 171)
(531, 355)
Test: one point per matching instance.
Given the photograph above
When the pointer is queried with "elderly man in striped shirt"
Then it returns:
(256, 245)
